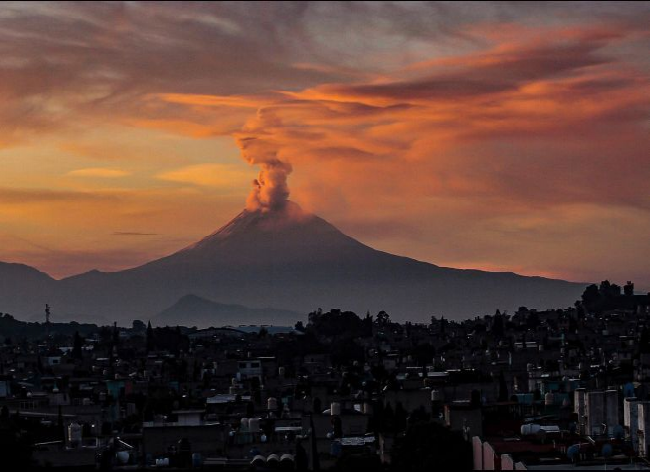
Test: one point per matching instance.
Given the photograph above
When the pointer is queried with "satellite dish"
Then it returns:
(572, 452)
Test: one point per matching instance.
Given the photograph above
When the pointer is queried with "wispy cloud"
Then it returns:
(101, 172)
(133, 233)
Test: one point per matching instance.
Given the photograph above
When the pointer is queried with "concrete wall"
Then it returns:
(631, 421)
(595, 410)
(611, 411)
(477, 449)
(579, 407)
(644, 428)
(507, 462)
(490, 459)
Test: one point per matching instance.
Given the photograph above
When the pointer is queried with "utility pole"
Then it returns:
(47, 320)
(315, 462)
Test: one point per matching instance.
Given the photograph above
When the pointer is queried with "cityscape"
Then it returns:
(528, 390)
(324, 236)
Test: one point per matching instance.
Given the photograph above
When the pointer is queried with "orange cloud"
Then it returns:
(211, 175)
(100, 172)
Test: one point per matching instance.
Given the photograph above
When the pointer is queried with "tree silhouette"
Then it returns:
(77, 346)
(430, 446)
(503, 388)
(150, 336)
(383, 318)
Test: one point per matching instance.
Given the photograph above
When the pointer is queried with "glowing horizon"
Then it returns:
(488, 136)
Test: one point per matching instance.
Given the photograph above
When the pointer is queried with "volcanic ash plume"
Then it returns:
(270, 189)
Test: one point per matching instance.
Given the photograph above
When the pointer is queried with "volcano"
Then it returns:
(285, 259)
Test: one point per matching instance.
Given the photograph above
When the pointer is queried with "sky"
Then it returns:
(499, 136)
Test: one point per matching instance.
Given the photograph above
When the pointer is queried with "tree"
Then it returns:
(644, 341)
(591, 297)
(609, 290)
(336, 323)
(503, 388)
(77, 346)
(387, 418)
(400, 418)
(532, 320)
(498, 325)
(150, 340)
(383, 318)
(430, 446)
(138, 326)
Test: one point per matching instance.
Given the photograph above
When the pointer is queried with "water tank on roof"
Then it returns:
(281, 372)
(122, 457)
(529, 429)
(258, 461)
(254, 425)
(244, 425)
(286, 458)
(549, 398)
(74, 434)
(272, 459)
(335, 409)
(272, 404)
(436, 396)
(573, 451)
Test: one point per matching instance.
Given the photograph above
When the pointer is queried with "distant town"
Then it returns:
(528, 390)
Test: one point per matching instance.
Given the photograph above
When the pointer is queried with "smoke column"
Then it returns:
(270, 189)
